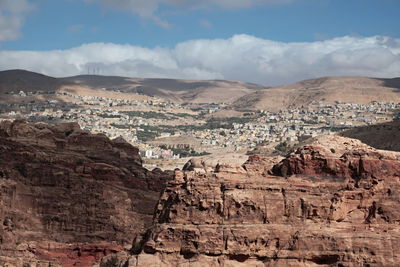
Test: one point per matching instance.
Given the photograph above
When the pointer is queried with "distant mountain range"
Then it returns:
(16, 80)
(241, 95)
(171, 89)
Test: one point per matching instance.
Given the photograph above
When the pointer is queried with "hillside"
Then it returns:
(244, 96)
(382, 136)
(171, 89)
(17, 80)
(328, 90)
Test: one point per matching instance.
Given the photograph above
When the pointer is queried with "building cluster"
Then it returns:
(139, 121)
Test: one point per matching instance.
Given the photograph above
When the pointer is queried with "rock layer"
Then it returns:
(334, 202)
(70, 197)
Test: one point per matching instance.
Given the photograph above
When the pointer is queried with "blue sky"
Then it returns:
(333, 29)
(61, 24)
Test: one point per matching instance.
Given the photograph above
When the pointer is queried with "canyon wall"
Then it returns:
(69, 197)
(333, 202)
(72, 198)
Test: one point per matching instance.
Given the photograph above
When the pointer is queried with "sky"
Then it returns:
(268, 42)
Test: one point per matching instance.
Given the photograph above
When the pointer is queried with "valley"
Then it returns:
(167, 133)
(97, 176)
(166, 129)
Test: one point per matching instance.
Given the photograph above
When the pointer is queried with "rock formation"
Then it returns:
(333, 202)
(69, 197)
(72, 198)
(226, 163)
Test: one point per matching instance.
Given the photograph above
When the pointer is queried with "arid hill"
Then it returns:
(328, 90)
(17, 80)
(382, 136)
(214, 91)
(244, 96)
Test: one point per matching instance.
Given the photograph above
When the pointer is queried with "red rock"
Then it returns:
(60, 185)
(337, 206)
(360, 165)
(76, 255)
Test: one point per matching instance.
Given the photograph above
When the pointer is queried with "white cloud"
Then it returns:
(241, 57)
(148, 9)
(12, 14)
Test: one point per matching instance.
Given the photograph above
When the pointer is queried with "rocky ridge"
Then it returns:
(332, 202)
(69, 197)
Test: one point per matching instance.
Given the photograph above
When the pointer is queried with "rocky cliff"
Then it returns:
(69, 197)
(333, 202)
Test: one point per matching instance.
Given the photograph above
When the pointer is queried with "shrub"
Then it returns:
(112, 262)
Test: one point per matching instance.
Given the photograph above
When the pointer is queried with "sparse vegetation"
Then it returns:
(283, 147)
(182, 115)
(146, 135)
(122, 126)
(186, 152)
(109, 116)
(147, 115)
(112, 262)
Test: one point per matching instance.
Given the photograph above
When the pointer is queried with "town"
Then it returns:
(163, 129)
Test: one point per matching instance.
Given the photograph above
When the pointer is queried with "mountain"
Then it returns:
(242, 96)
(17, 80)
(359, 90)
(169, 89)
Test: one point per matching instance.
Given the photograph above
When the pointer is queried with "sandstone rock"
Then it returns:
(347, 159)
(229, 163)
(68, 196)
(338, 205)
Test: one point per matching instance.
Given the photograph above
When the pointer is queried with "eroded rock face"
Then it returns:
(70, 197)
(232, 163)
(336, 205)
(358, 164)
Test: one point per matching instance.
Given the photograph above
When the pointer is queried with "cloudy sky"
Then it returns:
(268, 42)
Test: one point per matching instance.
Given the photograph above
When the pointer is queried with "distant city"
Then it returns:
(163, 129)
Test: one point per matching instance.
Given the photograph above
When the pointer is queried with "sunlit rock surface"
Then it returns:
(333, 202)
